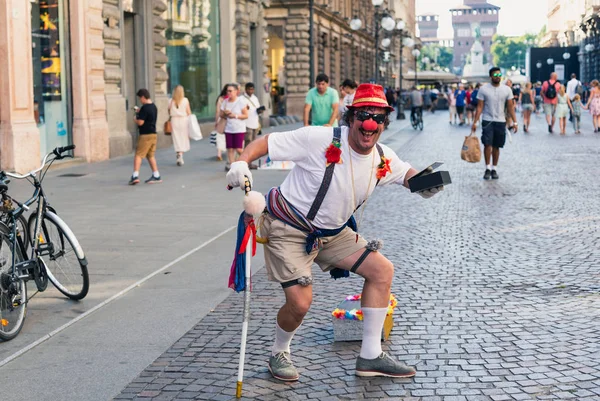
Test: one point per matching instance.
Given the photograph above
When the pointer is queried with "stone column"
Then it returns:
(297, 59)
(19, 135)
(158, 68)
(90, 127)
(119, 139)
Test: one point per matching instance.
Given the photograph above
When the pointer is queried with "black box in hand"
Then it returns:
(428, 179)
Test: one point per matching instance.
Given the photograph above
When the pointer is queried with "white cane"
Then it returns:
(252, 211)
(238, 392)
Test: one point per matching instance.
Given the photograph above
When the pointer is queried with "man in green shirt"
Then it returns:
(324, 102)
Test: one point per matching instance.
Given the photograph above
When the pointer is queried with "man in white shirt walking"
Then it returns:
(253, 125)
(572, 91)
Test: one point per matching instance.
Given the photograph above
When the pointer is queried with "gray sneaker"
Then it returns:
(384, 365)
(281, 367)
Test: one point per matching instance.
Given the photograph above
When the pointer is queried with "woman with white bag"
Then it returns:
(179, 110)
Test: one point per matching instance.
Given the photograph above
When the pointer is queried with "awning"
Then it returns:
(431, 77)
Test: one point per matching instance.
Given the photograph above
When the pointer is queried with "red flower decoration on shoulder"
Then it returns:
(383, 168)
(333, 154)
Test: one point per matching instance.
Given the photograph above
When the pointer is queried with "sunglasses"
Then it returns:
(497, 75)
(364, 116)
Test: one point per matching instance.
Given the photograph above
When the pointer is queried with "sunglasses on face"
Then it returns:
(364, 116)
(497, 75)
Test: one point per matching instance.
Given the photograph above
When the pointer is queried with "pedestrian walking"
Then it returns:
(349, 87)
(179, 111)
(574, 87)
(562, 109)
(538, 97)
(593, 104)
(427, 99)
(219, 132)
(576, 107)
(307, 220)
(145, 118)
(235, 110)
(253, 125)
(527, 102)
(549, 92)
(321, 103)
(451, 106)
(493, 100)
(435, 93)
(460, 96)
(469, 108)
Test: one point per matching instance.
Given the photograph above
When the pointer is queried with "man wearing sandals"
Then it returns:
(309, 219)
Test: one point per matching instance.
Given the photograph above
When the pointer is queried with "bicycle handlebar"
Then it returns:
(57, 152)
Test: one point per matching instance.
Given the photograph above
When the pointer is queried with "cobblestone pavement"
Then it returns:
(498, 286)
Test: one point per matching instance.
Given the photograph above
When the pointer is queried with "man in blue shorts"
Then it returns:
(493, 100)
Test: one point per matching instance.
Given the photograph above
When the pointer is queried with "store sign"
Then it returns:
(559, 69)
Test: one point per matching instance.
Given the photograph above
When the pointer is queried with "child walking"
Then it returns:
(576, 107)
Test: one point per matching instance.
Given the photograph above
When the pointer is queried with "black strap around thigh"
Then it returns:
(360, 260)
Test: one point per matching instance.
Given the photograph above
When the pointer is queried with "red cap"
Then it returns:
(370, 95)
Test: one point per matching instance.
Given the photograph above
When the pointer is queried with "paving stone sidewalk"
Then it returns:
(498, 287)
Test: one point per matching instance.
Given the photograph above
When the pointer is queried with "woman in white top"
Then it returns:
(235, 110)
(179, 110)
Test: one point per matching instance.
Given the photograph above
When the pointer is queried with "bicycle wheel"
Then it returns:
(413, 121)
(13, 291)
(66, 265)
(23, 232)
(421, 124)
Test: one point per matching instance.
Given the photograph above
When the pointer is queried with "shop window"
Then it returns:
(193, 53)
(50, 57)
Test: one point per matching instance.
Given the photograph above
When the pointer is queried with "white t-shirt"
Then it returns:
(572, 87)
(306, 148)
(347, 101)
(253, 104)
(234, 125)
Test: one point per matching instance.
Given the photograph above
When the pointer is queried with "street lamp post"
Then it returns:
(311, 41)
(416, 52)
(386, 23)
(405, 40)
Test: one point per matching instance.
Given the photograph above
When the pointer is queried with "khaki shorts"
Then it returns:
(549, 109)
(146, 146)
(250, 135)
(285, 252)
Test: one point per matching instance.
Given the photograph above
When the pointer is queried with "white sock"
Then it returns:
(489, 166)
(494, 167)
(156, 174)
(136, 174)
(282, 340)
(373, 319)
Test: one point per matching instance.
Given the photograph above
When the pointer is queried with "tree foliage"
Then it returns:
(510, 51)
(444, 56)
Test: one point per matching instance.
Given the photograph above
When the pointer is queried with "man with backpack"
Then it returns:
(550, 90)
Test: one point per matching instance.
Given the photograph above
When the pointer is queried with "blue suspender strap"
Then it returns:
(312, 213)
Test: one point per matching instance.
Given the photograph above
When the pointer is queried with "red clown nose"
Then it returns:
(369, 125)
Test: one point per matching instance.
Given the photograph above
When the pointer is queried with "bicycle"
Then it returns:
(52, 244)
(416, 118)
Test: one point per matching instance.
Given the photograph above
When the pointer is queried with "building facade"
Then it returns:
(474, 18)
(428, 26)
(73, 77)
(339, 51)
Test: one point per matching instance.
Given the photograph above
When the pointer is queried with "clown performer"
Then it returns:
(309, 218)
